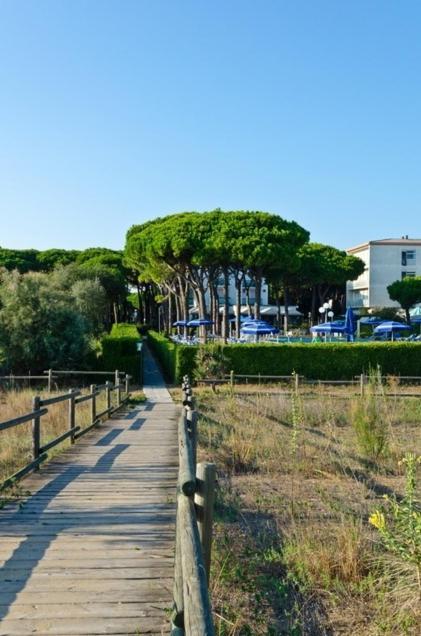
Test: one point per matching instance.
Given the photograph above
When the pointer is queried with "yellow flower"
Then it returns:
(377, 520)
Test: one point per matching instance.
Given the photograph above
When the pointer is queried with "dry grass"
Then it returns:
(15, 443)
(294, 553)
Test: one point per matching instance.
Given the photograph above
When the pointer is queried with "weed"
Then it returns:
(399, 524)
(369, 417)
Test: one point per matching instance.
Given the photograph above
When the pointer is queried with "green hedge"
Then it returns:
(175, 360)
(119, 351)
(325, 361)
(320, 361)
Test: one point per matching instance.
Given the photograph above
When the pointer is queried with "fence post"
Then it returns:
(126, 388)
(117, 385)
(191, 417)
(93, 403)
(36, 429)
(50, 380)
(204, 500)
(108, 394)
(362, 384)
(297, 381)
(72, 420)
(178, 614)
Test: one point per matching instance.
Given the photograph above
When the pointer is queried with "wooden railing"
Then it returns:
(50, 375)
(195, 499)
(74, 431)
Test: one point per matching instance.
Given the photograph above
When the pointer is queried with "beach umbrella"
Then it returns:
(391, 327)
(258, 330)
(373, 321)
(256, 321)
(328, 327)
(199, 322)
(349, 325)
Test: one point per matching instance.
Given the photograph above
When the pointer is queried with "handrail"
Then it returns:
(74, 397)
(192, 609)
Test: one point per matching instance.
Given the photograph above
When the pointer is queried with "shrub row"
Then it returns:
(175, 360)
(320, 361)
(119, 351)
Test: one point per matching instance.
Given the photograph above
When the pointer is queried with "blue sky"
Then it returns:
(114, 112)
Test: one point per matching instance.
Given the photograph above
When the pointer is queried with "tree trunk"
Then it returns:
(286, 306)
(278, 310)
(257, 299)
(408, 316)
(313, 304)
(238, 306)
(226, 306)
(170, 311)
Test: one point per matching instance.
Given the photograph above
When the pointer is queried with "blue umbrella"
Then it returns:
(258, 330)
(256, 321)
(373, 321)
(349, 325)
(391, 327)
(328, 327)
(199, 322)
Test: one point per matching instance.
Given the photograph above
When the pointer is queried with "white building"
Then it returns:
(386, 260)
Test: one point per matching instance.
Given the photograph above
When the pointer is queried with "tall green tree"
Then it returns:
(324, 268)
(40, 327)
(21, 260)
(407, 292)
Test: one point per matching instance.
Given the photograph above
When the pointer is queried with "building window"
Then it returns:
(408, 275)
(408, 257)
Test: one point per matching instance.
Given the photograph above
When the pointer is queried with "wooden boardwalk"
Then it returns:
(91, 550)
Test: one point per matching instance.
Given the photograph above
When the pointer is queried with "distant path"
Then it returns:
(91, 551)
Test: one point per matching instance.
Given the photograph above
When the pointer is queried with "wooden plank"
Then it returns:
(77, 626)
(101, 610)
(91, 551)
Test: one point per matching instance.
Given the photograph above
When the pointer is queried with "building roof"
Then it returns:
(404, 241)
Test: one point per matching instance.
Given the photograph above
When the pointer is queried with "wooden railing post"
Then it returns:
(178, 613)
(191, 417)
(72, 415)
(362, 384)
(108, 394)
(36, 429)
(126, 382)
(50, 380)
(204, 500)
(93, 403)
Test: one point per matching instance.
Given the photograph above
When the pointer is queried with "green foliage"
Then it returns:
(22, 260)
(369, 418)
(406, 292)
(399, 524)
(176, 360)
(211, 362)
(40, 326)
(321, 361)
(119, 351)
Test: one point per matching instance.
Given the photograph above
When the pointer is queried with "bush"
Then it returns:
(369, 418)
(320, 361)
(175, 360)
(119, 351)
